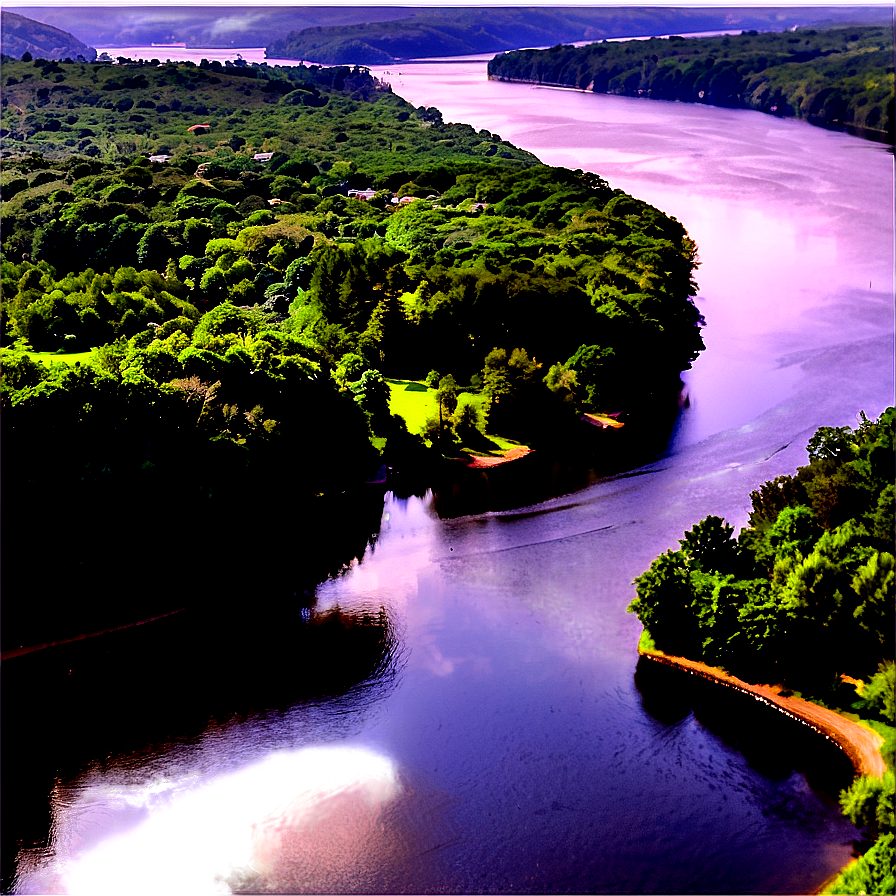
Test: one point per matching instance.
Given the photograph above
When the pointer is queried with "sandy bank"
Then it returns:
(860, 744)
(480, 463)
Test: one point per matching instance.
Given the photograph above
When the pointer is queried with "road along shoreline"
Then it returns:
(860, 744)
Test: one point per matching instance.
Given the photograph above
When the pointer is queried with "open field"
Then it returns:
(48, 358)
(416, 403)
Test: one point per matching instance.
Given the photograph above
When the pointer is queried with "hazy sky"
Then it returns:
(436, 3)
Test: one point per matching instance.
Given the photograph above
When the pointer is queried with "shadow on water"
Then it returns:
(257, 554)
(241, 653)
(570, 460)
(771, 742)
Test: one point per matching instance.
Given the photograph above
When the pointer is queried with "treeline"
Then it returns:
(805, 596)
(837, 77)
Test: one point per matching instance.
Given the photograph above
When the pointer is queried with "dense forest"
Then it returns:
(804, 596)
(241, 255)
(837, 77)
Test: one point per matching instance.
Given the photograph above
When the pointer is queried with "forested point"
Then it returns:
(804, 597)
(838, 77)
(233, 258)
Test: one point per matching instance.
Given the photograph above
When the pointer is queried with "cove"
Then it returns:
(491, 728)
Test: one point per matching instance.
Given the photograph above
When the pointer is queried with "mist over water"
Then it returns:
(515, 743)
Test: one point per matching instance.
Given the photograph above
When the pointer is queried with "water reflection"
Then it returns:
(169, 728)
(773, 744)
(562, 464)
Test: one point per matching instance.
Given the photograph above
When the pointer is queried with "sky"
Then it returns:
(436, 3)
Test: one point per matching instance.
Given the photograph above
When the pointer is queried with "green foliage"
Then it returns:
(871, 874)
(801, 595)
(877, 697)
(409, 288)
(446, 395)
(868, 802)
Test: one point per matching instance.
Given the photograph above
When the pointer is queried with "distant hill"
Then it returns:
(349, 32)
(464, 31)
(21, 35)
(199, 25)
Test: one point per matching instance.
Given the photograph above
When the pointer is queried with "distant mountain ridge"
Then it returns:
(465, 31)
(200, 25)
(22, 35)
(380, 33)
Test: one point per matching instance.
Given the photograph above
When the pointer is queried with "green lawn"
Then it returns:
(48, 358)
(416, 402)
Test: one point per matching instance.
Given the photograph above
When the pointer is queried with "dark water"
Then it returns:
(475, 719)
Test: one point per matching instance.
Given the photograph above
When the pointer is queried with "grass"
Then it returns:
(416, 403)
(48, 358)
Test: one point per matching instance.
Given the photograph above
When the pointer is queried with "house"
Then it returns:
(405, 200)
(161, 159)
(262, 156)
(363, 195)
(275, 202)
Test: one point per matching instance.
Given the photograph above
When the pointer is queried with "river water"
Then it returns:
(509, 740)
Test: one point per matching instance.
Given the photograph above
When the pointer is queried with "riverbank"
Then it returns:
(875, 135)
(861, 745)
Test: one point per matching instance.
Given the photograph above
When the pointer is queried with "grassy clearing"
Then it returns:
(416, 403)
(48, 358)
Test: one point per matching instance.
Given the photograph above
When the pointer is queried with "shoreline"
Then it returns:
(871, 134)
(861, 745)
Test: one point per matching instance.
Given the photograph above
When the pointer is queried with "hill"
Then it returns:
(198, 25)
(464, 31)
(21, 35)
(420, 30)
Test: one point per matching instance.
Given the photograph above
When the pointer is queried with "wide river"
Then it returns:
(512, 743)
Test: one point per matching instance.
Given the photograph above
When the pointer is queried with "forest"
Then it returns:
(840, 77)
(804, 596)
(210, 270)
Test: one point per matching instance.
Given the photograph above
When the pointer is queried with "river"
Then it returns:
(509, 740)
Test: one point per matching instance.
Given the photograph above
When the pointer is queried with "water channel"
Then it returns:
(506, 738)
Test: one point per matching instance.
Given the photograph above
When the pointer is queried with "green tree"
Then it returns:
(446, 395)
